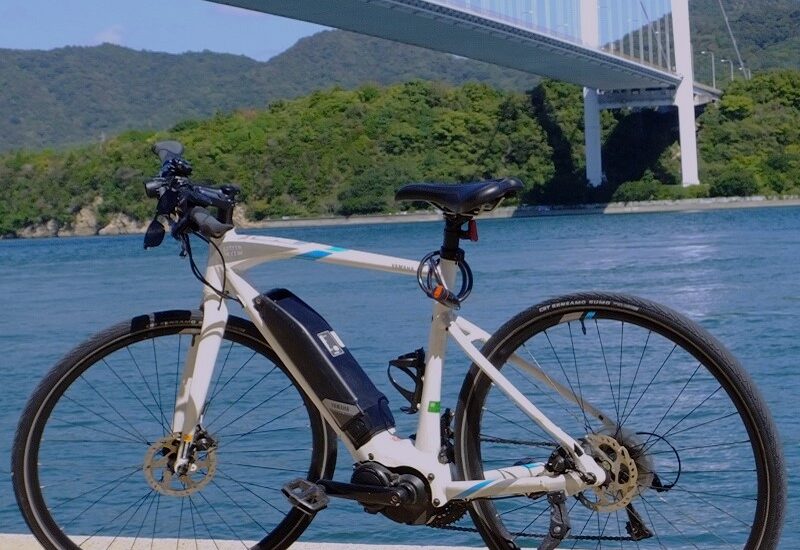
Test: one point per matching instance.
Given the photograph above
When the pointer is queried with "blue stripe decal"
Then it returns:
(590, 315)
(474, 488)
(314, 255)
(319, 254)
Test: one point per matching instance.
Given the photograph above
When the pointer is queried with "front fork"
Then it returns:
(191, 402)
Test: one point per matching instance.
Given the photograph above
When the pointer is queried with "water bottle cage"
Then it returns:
(432, 283)
(413, 366)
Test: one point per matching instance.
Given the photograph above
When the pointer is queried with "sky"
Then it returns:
(174, 26)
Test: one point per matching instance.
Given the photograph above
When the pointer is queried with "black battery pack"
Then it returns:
(326, 365)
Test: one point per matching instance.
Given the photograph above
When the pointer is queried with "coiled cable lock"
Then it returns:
(433, 285)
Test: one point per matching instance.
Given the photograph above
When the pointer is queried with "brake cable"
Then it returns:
(187, 252)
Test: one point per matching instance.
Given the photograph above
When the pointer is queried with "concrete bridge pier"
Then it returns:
(590, 36)
(682, 97)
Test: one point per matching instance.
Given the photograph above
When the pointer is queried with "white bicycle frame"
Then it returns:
(234, 254)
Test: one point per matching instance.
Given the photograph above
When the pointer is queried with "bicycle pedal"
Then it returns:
(306, 496)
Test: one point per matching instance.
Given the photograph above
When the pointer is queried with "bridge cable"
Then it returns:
(733, 38)
(661, 56)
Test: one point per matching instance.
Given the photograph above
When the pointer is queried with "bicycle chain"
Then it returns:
(523, 534)
(518, 442)
(536, 535)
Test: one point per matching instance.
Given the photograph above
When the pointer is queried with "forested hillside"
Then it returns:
(767, 32)
(346, 152)
(85, 94)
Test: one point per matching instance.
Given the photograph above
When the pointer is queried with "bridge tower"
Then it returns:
(683, 97)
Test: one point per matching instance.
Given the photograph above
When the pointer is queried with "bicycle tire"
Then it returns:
(95, 433)
(708, 466)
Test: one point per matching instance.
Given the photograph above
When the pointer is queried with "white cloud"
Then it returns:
(111, 35)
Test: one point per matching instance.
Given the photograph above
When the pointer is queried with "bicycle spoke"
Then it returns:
(583, 529)
(635, 374)
(235, 374)
(158, 386)
(214, 509)
(702, 424)
(93, 489)
(112, 407)
(664, 416)
(518, 424)
(239, 435)
(139, 505)
(239, 506)
(546, 394)
(608, 371)
(687, 517)
(213, 391)
(262, 467)
(578, 380)
(110, 436)
(192, 507)
(114, 519)
(155, 520)
(560, 365)
(248, 484)
(134, 394)
(256, 407)
(698, 447)
(104, 419)
(649, 384)
(163, 421)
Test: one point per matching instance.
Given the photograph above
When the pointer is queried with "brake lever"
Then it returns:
(155, 234)
(167, 202)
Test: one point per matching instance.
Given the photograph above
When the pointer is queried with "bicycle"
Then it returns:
(222, 430)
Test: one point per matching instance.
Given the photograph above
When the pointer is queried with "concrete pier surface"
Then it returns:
(27, 542)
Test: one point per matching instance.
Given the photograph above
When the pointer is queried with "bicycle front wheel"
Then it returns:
(92, 451)
(692, 455)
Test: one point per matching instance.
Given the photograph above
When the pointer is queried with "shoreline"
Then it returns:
(503, 212)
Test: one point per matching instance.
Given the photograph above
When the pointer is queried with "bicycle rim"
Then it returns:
(689, 441)
(91, 450)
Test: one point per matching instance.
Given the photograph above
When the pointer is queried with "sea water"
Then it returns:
(733, 271)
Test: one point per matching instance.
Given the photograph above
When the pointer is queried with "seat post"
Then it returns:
(452, 237)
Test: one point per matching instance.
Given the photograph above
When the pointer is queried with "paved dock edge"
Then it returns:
(27, 542)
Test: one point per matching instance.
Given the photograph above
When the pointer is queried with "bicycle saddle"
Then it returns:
(462, 198)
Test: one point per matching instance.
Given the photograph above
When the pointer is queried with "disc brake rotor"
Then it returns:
(622, 477)
(160, 458)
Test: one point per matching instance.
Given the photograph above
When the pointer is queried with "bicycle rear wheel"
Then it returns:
(91, 453)
(695, 456)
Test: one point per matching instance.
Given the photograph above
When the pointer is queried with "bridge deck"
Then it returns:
(445, 29)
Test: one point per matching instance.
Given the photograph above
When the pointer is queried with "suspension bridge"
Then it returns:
(625, 53)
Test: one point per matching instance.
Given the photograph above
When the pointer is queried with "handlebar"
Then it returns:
(184, 203)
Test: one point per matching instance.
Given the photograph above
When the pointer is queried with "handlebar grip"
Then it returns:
(208, 225)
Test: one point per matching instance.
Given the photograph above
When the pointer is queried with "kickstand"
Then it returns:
(559, 521)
